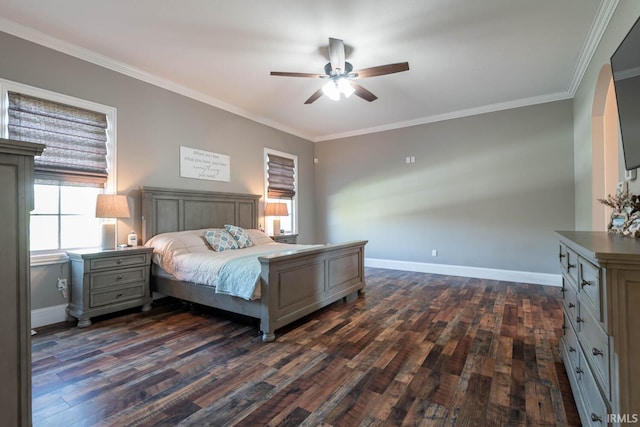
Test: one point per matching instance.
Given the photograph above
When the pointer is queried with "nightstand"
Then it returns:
(285, 238)
(108, 280)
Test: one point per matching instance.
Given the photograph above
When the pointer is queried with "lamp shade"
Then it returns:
(112, 206)
(276, 209)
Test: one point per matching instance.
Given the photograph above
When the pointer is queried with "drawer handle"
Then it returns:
(570, 266)
(563, 290)
(119, 278)
(118, 296)
(579, 319)
(595, 418)
(585, 283)
(571, 305)
(572, 349)
(579, 371)
(561, 255)
(119, 262)
(597, 352)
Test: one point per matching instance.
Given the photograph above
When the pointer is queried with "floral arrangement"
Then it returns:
(625, 218)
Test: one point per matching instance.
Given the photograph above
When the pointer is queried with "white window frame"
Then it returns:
(6, 86)
(294, 201)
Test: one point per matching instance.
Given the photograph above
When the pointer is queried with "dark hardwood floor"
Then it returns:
(417, 349)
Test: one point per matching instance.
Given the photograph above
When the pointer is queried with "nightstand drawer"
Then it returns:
(117, 261)
(115, 296)
(117, 278)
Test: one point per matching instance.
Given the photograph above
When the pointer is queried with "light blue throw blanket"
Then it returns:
(239, 277)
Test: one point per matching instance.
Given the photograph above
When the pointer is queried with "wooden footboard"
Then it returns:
(301, 282)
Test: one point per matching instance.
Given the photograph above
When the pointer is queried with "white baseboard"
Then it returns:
(48, 315)
(460, 270)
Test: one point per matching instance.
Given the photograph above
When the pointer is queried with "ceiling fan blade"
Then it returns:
(286, 74)
(317, 94)
(336, 54)
(381, 70)
(363, 93)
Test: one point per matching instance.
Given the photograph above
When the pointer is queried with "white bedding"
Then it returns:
(186, 256)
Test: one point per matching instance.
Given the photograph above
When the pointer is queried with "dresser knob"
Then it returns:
(595, 418)
(597, 352)
(572, 349)
(119, 278)
(119, 262)
(579, 319)
(570, 266)
(118, 296)
(571, 305)
(585, 283)
(579, 370)
(561, 255)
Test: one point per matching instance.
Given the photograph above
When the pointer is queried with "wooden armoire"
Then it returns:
(16, 201)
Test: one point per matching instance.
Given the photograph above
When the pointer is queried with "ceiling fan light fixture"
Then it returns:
(332, 90)
(335, 87)
(345, 87)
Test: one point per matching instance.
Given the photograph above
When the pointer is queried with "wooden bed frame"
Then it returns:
(293, 284)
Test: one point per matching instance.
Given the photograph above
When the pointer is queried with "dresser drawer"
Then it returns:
(570, 300)
(117, 278)
(98, 299)
(595, 405)
(571, 344)
(117, 261)
(569, 262)
(595, 343)
(590, 285)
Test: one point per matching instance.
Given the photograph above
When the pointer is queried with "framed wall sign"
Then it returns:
(200, 164)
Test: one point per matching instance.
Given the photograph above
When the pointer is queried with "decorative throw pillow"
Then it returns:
(220, 240)
(241, 236)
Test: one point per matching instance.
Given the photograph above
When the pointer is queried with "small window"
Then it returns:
(281, 183)
(77, 164)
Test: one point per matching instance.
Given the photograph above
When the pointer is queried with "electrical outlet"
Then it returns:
(62, 284)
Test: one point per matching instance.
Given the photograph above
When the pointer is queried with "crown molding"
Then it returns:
(596, 31)
(524, 102)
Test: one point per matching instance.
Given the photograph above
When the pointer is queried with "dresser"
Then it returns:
(600, 346)
(104, 281)
(16, 201)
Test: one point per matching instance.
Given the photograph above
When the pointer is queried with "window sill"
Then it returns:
(48, 259)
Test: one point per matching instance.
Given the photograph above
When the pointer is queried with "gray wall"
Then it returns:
(485, 191)
(625, 15)
(152, 124)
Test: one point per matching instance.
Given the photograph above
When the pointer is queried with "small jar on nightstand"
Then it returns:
(108, 280)
(285, 238)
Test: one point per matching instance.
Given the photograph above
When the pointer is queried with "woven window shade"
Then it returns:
(75, 140)
(280, 175)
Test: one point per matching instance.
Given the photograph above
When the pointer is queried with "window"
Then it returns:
(281, 182)
(76, 166)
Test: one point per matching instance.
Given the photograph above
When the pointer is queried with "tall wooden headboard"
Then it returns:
(165, 210)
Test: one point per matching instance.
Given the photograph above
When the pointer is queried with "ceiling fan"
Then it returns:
(341, 75)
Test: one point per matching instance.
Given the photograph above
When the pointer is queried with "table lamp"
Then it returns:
(276, 210)
(110, 206)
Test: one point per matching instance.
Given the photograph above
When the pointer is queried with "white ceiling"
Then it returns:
(465, 56)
